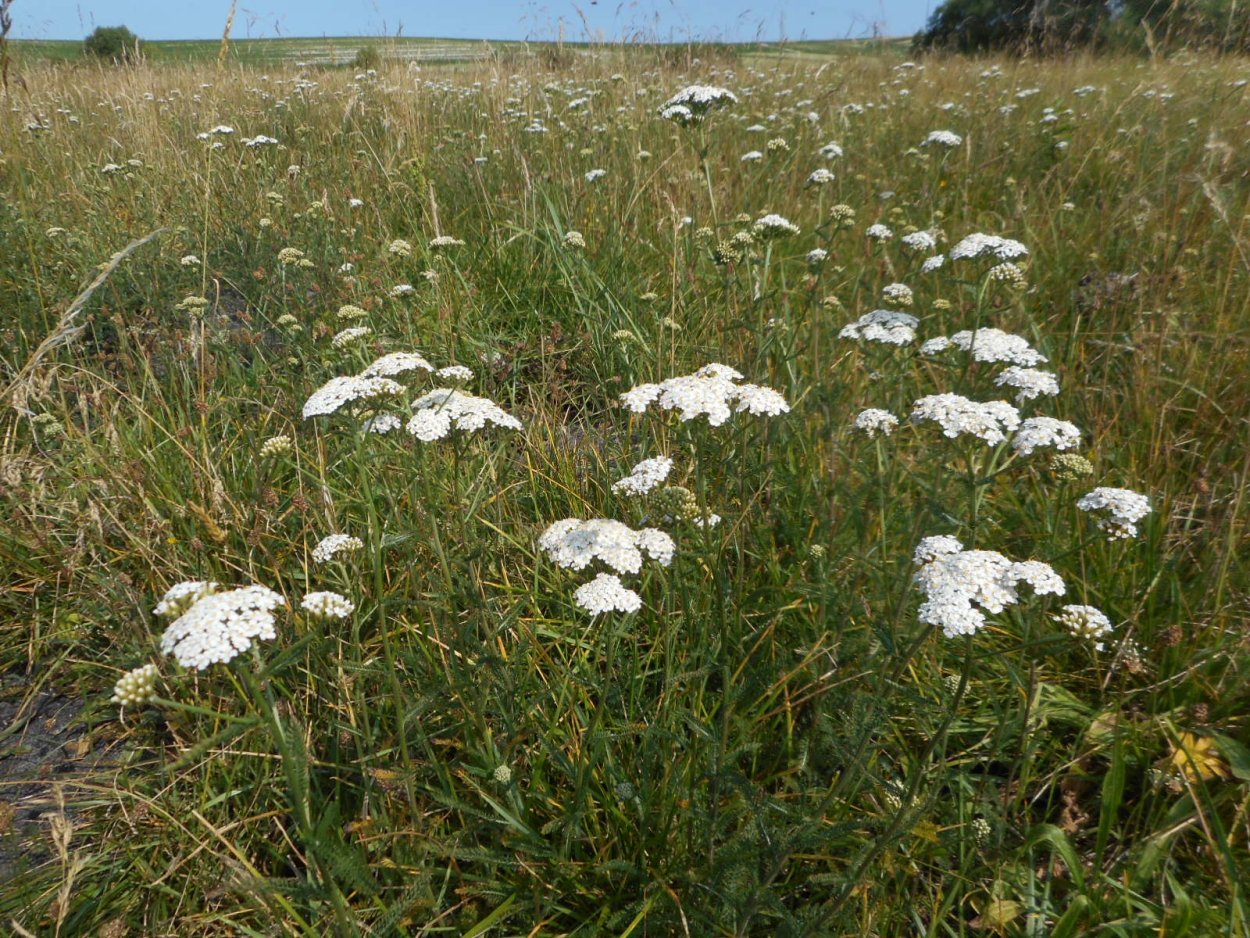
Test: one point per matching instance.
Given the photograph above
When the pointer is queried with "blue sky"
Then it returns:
(666, 20)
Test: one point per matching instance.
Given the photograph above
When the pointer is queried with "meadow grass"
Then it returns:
(775, 743)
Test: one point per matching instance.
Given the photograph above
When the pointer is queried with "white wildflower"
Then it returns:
(606, 593)
(574, 544)
(873, 420)
(985, 245)
(455, 373)
(135, 688)
(349, 336)
(990, 421)
(327, 605)
(712, 391)
(1045, 431)
(346, 389)
(882, 325)
(396, 363)
(1123, 508)
(961, 586)
(945, 138)
(644, 477)
(1085, 622)
(443, 410)
(334, 544)
(773, 226)
(1030, 382)
(182, 596)
(221, 626)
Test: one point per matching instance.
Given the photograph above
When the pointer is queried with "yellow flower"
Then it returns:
(1196, 758)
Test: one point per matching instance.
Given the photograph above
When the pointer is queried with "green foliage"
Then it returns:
(367, 57)
(774, 744)
(1062, 25)
(115, 43)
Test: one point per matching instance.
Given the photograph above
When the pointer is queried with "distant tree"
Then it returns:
(983, 25)
(367, 57)
(116, 43)
(1059, 25)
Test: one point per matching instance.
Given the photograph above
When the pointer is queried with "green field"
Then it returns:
(536, 494)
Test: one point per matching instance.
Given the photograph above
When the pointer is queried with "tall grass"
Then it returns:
(774, 744)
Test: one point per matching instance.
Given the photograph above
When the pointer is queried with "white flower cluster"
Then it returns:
(933, 263)
(348, 336)
(135, 688)
(575, 544)
(831, 151)
(1037, 432)
(182, 596)
(990, 421)
(440, 242)
(882, 325)
(220, 626)
(1029, 382)
(919, 241)
(898, 293)
(443, 409)
(327, 605)
(945, 138)
(879, 232)
(693, 103)
(712, 390)
(774, 226)
(1085, 622)
(347, 389)
(606, 593)
(987, 345)
(1123, 507)
(644, 477)
(961, 586)
(820, 177)
(396, 363)
(874, 420)
(330, 547)
(983, 245)
(456, 373)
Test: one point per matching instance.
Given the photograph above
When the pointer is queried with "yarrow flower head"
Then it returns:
(396, 363)
(886, 326)
(443, 410)
(945, 138)
(820, 177)
(988, 345)
(1118, 510)
(919, 241)
(771, 226)
(606, 593)
(879, 232)
(442, 242)
(990, 421)
(1085, 622)
(574, 544)
(349, 336)
(348, 389)
(897, 293)
(276, 446)
(221, 626)
(961, 586)
(874, 420)
(644, 477)
(1036, 432)
(986, 245)
(1029, 382)
(182, 596)
(713, 391)
(328, 548)
(137, 687)
(694, 102)
(327, 605)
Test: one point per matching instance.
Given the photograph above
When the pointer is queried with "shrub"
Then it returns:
(367, 57)
(116, 43)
